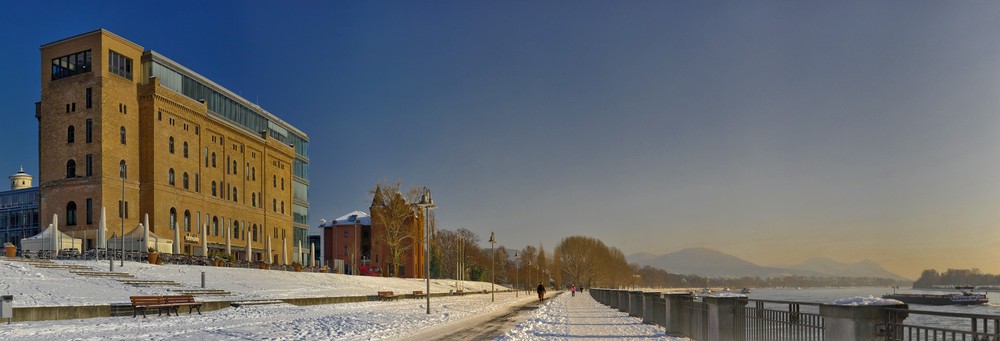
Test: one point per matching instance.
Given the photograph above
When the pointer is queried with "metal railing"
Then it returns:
(739, 319)
(768, 320)
(694, 321)
(920, 325)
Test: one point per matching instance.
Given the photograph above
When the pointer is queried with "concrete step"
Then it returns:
(31, 260)
(197, 292)
(149, 283)
(101, 274)
(63, 266)
(260, 302)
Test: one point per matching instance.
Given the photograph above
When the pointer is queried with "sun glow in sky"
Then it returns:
(773, 131)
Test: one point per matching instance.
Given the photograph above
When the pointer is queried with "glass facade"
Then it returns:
(18, 215)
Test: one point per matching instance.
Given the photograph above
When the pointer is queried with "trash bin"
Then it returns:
(7, 307)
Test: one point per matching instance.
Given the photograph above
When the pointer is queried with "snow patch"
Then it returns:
(863, 301)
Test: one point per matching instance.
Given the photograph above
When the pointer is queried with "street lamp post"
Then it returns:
(530, 283)
(426, 203)
(122, 207)
(516, 284)
(493, 290)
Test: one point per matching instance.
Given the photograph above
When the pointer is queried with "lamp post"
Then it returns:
(530, 283)
(516, 284)
(426, 203)
(122, 207)
(493, 290)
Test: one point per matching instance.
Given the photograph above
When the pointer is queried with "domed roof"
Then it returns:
(20, 173)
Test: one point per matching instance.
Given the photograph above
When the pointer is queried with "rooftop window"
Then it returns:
(70, 65)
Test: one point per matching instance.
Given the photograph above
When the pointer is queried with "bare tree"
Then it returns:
(395, 215)
(447, 245)
(585, 260)
(352, 257)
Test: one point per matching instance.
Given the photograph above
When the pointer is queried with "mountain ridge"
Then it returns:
(713, 263)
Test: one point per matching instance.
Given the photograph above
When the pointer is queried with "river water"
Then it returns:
(829, 295)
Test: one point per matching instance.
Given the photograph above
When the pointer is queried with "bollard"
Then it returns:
(723, 314)
(635, 304)
(674, 313)
(623, 301)
(203, 280)
(864, 323)
(648, 307)
(7, 307)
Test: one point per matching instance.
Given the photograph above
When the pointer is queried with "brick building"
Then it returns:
(358, 234)
(127, 129)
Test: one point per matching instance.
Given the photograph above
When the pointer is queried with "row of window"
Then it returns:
(240, 230)
(231, 192)
(70, 65)
(251, 230)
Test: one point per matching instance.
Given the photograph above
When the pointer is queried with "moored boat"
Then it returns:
(964, 298)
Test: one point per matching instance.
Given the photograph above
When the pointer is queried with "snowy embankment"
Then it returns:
(34, 286)
(349, 321)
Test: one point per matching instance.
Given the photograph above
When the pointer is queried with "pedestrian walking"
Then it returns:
(541, 291)
(572, 290)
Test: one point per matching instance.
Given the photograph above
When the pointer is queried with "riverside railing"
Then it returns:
(767, 320)
(738, 318)
(936, 325)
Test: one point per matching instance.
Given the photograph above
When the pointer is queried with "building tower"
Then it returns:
(127, 129)
(20, 180)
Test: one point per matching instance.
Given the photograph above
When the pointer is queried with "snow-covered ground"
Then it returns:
(562, 317)
(34, 286)
(566, 317)
(347, 321)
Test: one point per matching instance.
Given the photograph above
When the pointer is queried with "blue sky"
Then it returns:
(774, 131)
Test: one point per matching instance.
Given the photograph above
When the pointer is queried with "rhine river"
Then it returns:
(829, 295)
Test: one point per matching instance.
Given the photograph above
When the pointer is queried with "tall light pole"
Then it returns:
(516, 284)
(122, 207)
(493, 256)
(426, 203)
(530, 283)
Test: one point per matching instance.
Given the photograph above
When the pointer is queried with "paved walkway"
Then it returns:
(581, 318)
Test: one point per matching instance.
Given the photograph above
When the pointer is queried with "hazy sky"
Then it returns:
(773, 131)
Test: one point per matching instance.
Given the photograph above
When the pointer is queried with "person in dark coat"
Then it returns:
(541, 291)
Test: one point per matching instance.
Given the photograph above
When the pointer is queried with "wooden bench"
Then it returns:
(418, 293)
(178, 301)
(387, 295)
(163, 303)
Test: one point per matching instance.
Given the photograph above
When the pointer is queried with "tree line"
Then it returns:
(575, 260)
(951, 277)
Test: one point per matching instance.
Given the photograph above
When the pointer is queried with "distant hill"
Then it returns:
(711, 263)
(865, 268)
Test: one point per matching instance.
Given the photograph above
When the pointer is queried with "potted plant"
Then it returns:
(153, 256)
(215, 258)
(10, 250)
(262, 265)
(297, 266)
